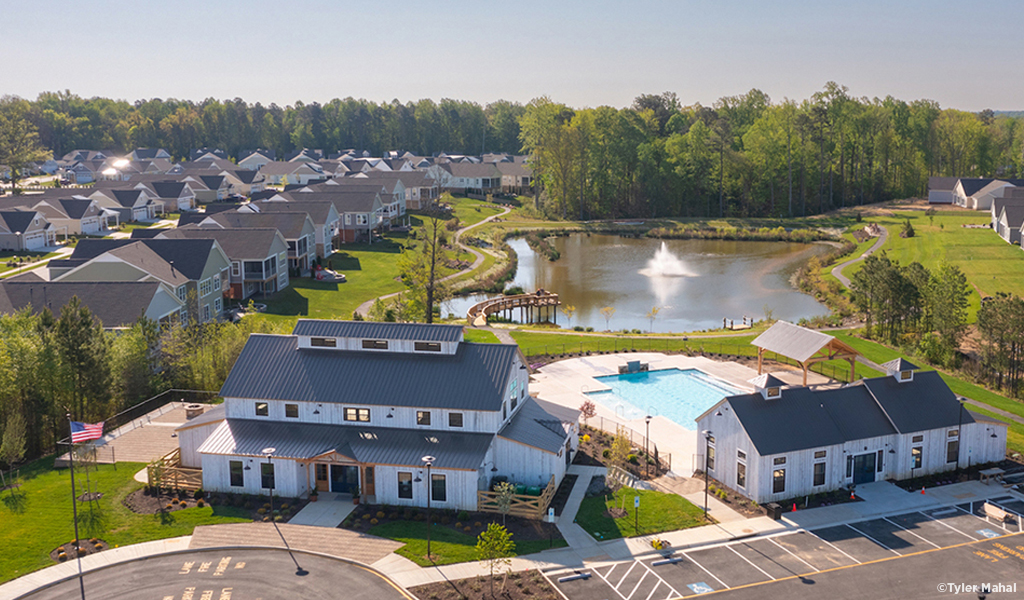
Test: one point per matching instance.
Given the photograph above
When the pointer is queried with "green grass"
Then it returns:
(658, 512)
(447, 545)
(480, 336)
(37, 518)
(535, 343)
(35, 257)
(471, 212)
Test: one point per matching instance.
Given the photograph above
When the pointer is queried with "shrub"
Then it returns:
(637, 331)
(183, 503)
(446, 520)
(633, 459)
(200, 503)
(267, 506)
(247, 505)
(467, 529)
(586, 437)
(277, 519)
(198, 495)
(380, 514)
(284, 506)
(170, 506)
(374, 521)
(478, 524)
(261, 511)
(62, 557)
(458, 524)
(286, 512)
(606, 453)
(577, 328)
(393, 515)
(366, 517)
(590, 329)
(277, 512)
(463, 515)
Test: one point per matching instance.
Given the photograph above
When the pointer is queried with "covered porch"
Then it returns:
(803, 345)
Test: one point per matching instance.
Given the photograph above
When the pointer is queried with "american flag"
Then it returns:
(83, 432)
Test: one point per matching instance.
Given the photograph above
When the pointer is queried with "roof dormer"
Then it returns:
(900, 369)
(768, 385)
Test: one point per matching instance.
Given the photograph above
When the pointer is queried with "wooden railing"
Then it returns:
(167, 472)
(478, 313)
(531, 507)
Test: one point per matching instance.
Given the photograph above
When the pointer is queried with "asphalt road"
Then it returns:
(248, 574)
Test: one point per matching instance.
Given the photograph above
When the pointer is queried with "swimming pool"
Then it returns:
(680, 395)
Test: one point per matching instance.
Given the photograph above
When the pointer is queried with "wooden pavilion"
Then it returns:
(803, 345)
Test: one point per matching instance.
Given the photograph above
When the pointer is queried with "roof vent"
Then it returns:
(768, 385)
(900, 369)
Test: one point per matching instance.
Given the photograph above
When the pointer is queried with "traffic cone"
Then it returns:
(852, 497)
(794, 507)
(922, 490)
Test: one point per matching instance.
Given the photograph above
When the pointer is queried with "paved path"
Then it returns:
(329, 511)
(837, 271)
(342, 543)
(478, 259)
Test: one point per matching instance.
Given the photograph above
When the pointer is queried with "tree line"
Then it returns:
(54, 365)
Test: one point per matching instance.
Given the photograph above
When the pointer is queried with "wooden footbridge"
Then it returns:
(532, 307)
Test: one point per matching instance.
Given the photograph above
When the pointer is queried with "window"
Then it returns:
(819, 473)
(375, 344)
(218, 305)
(216, 283)
(952, 450)
(849, 467)
(438, 488)
(427, 347)
(741, 475)
(319, 342)
(780, 460)
(206, 312)
(237, 474)
(711, 439)
(182, 293)
(291, 411)
(405, 485)
(423, 417)
(953, 433)
(711, 458)
(321, 472)
(773, 392)
(205, 287)
(515, 402)
(778, 481)
(455, 419)
(267, 475)
(905, 375)
(262, 409)
(741, 455)
(368, 478)
(878, 461)
(915, 457)
(918, 439)
(504, 411)
(236, 269)
(820, 453)
(357, 414)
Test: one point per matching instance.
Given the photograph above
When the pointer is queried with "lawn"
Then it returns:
(471, 212)
(535, 343)
(447, 546)
(480, 336)
(37, 518)
(658, 512)
(33, 257)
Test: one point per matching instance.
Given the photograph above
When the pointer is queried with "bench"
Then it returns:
(993, 511)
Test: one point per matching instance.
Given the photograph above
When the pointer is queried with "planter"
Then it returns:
(313, 498)
(355, 500)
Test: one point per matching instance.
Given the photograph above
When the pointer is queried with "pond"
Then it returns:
(694, 283)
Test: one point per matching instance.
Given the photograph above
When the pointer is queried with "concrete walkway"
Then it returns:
(328, 511)
(577, 538)
(837, 271)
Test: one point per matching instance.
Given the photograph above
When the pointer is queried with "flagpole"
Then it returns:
(74, 510)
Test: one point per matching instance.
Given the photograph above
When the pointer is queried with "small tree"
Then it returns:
(608, 312)
(587, 411)
(13, 447)
(619, 453)
(568, 310)
(505, 492)
(494, 548)
(653, 314)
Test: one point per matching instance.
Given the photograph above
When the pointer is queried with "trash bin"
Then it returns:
(533, 490)
(774, 511)
(520, 489)
(498, 479)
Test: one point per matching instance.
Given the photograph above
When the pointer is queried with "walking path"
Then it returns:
(329, 511)
(837, 271)
(478, 259)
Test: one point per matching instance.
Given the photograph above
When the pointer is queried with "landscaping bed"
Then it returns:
(562, 493)
(519, 585)
(69, 551)
(151, 501)
(595, 449)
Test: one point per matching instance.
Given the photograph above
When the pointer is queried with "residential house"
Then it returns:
(149, 154)
(169, 195)
(1011, 217)
(253, 160)
(244, 182)
(359, 209)
(76, 215)
(200, 154)
(296, 228)
(322, 213)
(115, 304)
(258, 257)
(780, 443)
(195, 269)
(978, 193)
(208, 188)
(25, 229)
(129, 204)
(468, 178)
(305, 155)
(278, 173)
(393, 193)
(516, 177)
(1011, 195)
(327, 399)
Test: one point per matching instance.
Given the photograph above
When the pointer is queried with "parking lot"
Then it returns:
(796, 555)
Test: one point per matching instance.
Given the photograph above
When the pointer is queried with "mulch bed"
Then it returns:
(591, 452)
(90, 546)
(562, 493)
(522, 529)
(147, 501)
(519, 585)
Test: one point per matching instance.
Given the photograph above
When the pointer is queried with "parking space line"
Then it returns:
(812, 568)
(637, 586)
(609, 573)
(836, 547)
(661, 580)
(1011, 511)
(971, 513)
(614, 589)
(940, 521)
(631, 567)
(886, 519)
(873, 539)
(656, 586)
(705, 570)
(730, 546)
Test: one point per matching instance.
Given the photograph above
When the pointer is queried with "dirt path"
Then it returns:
(837, 271)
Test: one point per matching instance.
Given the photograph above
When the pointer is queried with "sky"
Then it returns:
(962, 54)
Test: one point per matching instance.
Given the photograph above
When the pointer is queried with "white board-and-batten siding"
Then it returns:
(525, 464)
(461, 487)
(402, 346)
(190, 439)
(289, 477)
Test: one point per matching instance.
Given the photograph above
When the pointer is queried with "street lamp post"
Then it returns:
(269, 452)
(647, 454)
(429, 461)
(959, 435)
(707, 445)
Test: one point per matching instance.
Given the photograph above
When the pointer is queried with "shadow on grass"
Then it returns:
(166, 518)
(343, 261)
(14, 501)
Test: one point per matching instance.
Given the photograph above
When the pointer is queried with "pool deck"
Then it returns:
(566, 382)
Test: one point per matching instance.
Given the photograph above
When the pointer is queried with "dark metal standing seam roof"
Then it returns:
(272, 367)
(924, 403)
(420, 332)
(373, 445)
(540, 424)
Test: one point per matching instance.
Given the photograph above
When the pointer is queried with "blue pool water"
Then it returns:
(676, 394)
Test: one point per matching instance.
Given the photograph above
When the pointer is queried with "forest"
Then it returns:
(743, 156)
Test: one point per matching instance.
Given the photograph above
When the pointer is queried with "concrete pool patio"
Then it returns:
(567, 382)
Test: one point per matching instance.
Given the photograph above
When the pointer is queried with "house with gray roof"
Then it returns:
(129, 204)
(296, 227)
(779, 442)
(322, 213)
(326, 398)
(25, 229)
(76, 215)
(253, 160)
(1011, 217)
(115, 304)
(297, 172)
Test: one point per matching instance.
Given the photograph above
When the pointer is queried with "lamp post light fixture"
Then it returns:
(707, 445)
(429, 461)
(647, 453)
(269, 452)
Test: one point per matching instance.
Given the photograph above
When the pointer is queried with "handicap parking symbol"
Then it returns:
(700, 588)
(988, 533)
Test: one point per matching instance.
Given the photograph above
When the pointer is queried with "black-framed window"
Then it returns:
(455, 419)
(820, 453)
(262, 409)
(321, 342)
(427, 347)
(849, 467)
(819, 473)
(267, 476)
(357, 414)
(741, 475)
(918, 439)
(916, 457)
(952, 450)
(405, 485)
(741, 455)
(237, 473)
(423, 417)
(878, 461)
(375, 344)
(438, 487)
(781, 460)
(778, 481)
(711, 458)
(291, 411)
